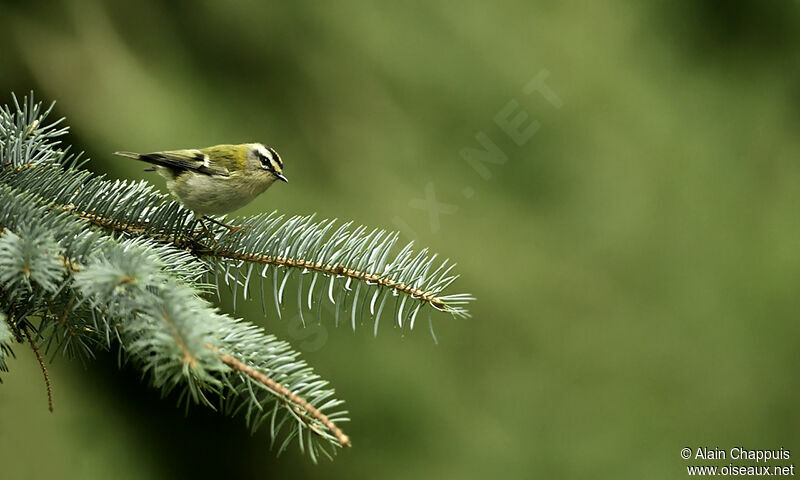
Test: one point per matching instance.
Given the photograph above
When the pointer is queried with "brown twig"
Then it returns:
(41, 365)
(284, 392)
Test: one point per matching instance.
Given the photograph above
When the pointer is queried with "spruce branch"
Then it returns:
(108, 264)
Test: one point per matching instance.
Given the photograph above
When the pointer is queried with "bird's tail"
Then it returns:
(135, 156)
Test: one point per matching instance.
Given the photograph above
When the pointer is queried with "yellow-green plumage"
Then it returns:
(219, 179)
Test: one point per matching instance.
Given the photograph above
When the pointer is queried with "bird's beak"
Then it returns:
(281, 177)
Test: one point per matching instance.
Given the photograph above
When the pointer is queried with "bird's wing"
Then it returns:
(179, 161)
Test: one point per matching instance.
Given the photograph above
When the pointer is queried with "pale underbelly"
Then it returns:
(207, 195)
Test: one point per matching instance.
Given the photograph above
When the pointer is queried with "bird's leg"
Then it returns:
(231, 228)
(204, 230)
(202, 225)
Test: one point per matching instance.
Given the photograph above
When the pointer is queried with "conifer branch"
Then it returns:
(196, 242)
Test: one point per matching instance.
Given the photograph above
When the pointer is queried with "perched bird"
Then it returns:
(216, 180)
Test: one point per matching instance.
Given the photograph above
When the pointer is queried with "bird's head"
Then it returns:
(266, 158)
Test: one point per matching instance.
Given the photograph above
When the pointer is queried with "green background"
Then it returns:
(636, 262)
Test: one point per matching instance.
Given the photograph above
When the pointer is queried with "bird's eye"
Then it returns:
(264, 157)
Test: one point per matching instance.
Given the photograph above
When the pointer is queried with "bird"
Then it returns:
(215, 180)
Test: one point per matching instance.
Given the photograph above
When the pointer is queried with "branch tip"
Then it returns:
(284, 392)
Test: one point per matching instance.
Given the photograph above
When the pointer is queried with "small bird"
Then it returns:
(216, 180)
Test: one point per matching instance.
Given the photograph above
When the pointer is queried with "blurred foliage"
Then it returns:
(636, 262)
